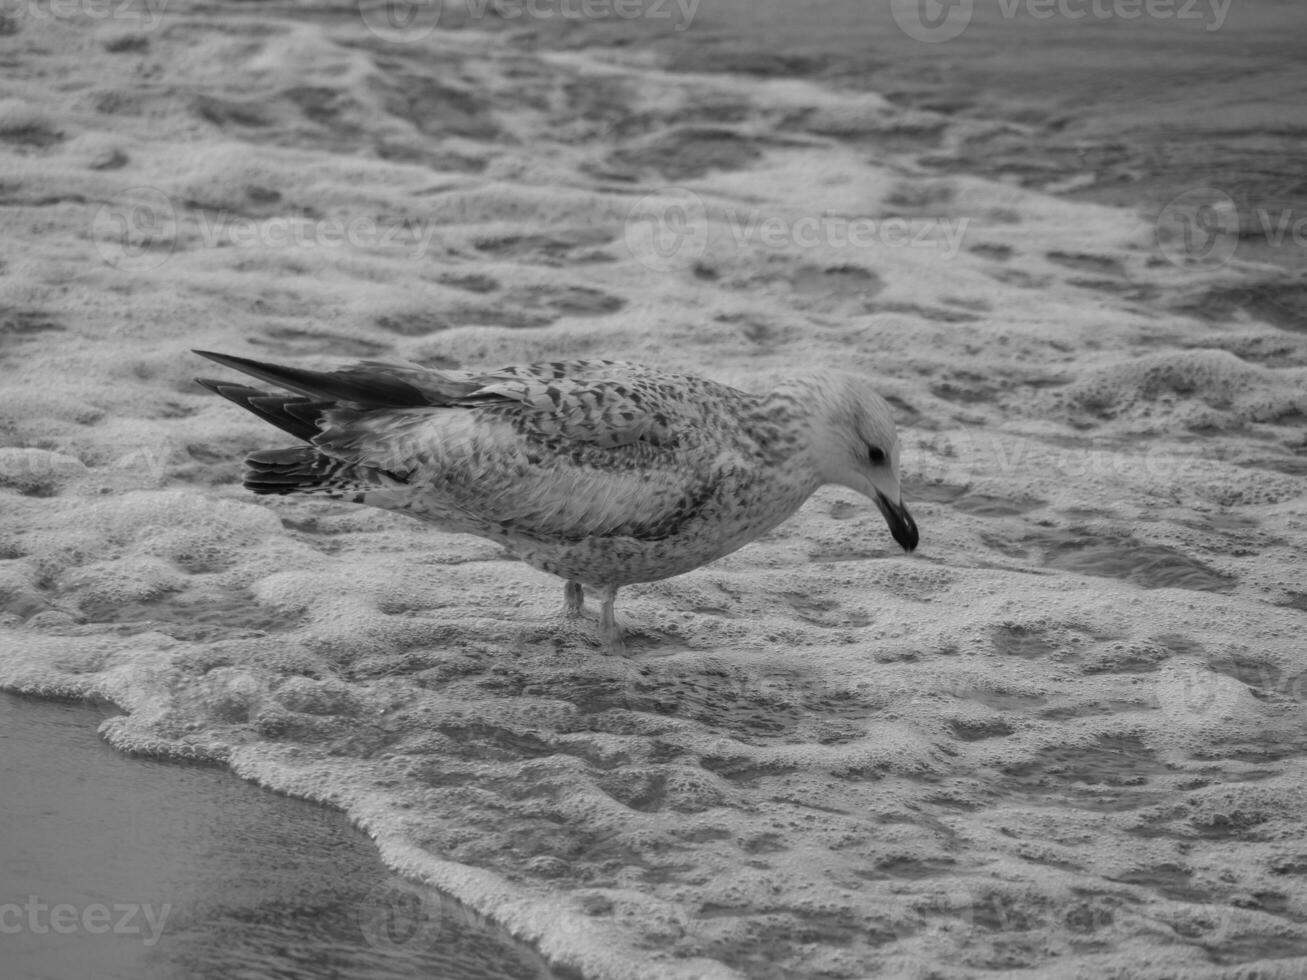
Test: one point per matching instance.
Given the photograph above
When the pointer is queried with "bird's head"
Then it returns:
(858, 448)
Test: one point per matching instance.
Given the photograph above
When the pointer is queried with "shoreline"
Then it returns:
(205, 871)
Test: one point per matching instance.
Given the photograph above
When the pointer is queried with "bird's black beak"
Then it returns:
(900, 522)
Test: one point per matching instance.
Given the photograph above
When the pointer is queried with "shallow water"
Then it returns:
(1065, 737)
(1101, 104)
(201, 874)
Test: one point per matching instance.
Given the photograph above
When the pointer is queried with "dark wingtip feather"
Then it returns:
(368, 386)
(221, 358)
(227, 360)
(290, 413)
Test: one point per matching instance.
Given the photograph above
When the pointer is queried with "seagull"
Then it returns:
(600, 472)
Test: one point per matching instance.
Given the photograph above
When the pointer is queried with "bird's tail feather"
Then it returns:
(305, 470)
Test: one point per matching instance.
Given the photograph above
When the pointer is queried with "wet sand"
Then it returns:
(201, 874)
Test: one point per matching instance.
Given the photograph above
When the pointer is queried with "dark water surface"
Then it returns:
(200, 874)
(1078, 97)
(1140, 108)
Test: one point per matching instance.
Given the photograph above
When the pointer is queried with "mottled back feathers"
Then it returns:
(561, 450)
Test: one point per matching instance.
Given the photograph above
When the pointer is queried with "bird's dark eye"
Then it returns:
(876, 455)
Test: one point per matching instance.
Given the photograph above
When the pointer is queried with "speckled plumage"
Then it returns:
(600, 472)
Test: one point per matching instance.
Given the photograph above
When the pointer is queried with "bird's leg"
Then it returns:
(610, 634)
(573, 599)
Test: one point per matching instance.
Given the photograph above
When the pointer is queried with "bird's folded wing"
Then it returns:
(559, 457)
(602, 412)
